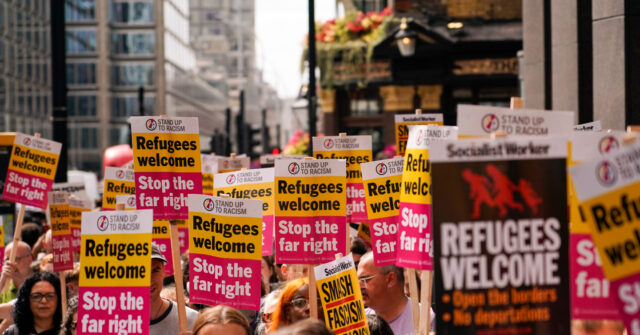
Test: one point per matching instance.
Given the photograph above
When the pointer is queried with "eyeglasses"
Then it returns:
(37, 297)
(365, 280)
(266, 317)
(303, 302)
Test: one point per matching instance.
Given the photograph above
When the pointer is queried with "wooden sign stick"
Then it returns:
(415, 299)
(17, 232)
(516, 103)
(313, 293)
(63, 292)
(425, 300)
(177, 276)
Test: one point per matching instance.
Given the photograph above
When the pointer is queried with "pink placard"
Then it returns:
(383, 233)
(75, 239)
(164, 244)
(590, 290)
(267, 235)
(224, 281)
(310, 240)
(62, 252)
(166, 193)
(183, 239)
(27, 189)
(626, 294)
(113, 310)
(356, 205)
(414, 238)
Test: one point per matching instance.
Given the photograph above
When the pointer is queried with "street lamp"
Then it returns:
(406, 39)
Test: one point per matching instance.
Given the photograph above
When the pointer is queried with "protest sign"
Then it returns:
(481, 121)
(208, 170)
(251, 184)
(160, 234)
(117, 181)
(403, 121)
(382, 191)
(608, 189)
(311, 211)
(414, 239)
(76, 207)
(590, 126)
(74, 189)
(167, 166)
(364, 233)
(236, 163)
(225, 253)
(7, 208)
(355, 150)
(115, 273)
(60, 231)
(32, 167)
(339, 292)
(500, 222)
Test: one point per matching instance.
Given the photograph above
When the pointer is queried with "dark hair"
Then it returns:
(22, 314)
(30, 233)
(358, 247)
(72, 308)
(270, 263)
(377, 326)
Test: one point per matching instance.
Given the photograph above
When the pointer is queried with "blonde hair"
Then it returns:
(221, 315)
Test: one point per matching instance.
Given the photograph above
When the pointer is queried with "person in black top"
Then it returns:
(38, 309)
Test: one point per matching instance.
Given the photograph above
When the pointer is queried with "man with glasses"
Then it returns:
(17, 271)
(383, 293)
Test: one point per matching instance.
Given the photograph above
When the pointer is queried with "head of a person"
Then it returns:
(38, 299)
(305, 327)
(379, 284)
(23, 257)
(293, 304)
(377, 326)
(268, 270)
(30, 233)
(221, 320)
(269, 307)
(358, 248)
(158, 262)
(72, 278)
(46, 263)
(71, 318)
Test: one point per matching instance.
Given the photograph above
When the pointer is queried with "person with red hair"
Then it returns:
(293, 305)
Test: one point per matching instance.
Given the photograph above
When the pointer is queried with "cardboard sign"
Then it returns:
(74, 190)
(117, 181)
(339, 292)
(355, 150)
(60, 231)
(414, 239)
(230, 164)
(252, 184)
(382, 181)
(208, 170)
(7, 208)
(166, 152)
(115, 273)
(32, 167)
(311, 199)
(403, 121)
(590, 126)
(76, 207)
(481, 121)
(608, 189)
(160, 237)
(225, 253)
(500, 220)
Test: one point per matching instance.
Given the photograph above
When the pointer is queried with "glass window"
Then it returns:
(79, 10)
(81, 73)
(132, 75)
(122, 107)
(140, 12)
(132, 43)
(81, 105)
(80, 41)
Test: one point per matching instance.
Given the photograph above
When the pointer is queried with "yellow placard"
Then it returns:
(161, 229)
(383, 196)
(225, 236)
(207, 183)
(182, 155)
(75, 215)
(310, 196)
(34, 162)
(402, 134)
(258, 191)
(416, 177)
(353, 157)
(112, 188)
(342, 303)
(116, 260)
(60, 219)
(613, 219)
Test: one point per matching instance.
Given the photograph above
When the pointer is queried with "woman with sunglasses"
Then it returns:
(293, 305)
(37, 310)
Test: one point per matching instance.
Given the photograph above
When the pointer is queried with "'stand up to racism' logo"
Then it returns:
(490, 123)
(328, 143)
(499, 192)
(120, 174)
(208, 204)
(294, 168)
(131, 202)
(151, 124)
(607, 144)
(27, 141)
(103, 223)
(231, 179)
(606, 173)
(381, 169)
